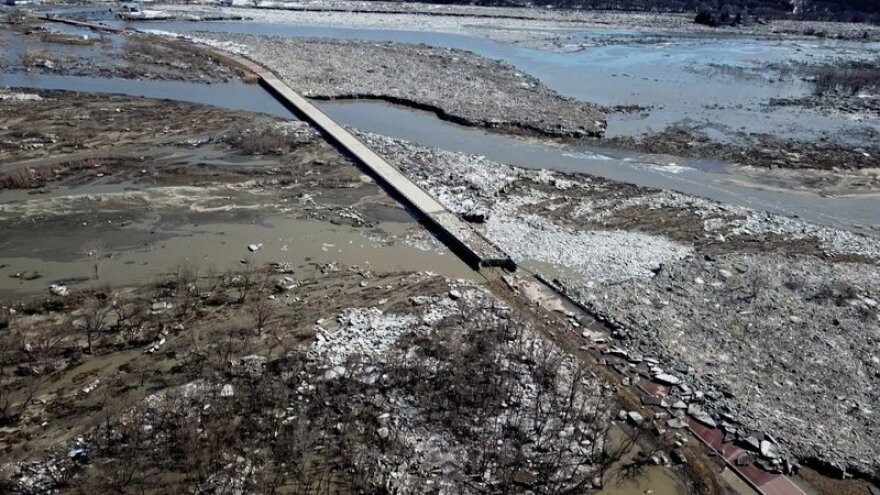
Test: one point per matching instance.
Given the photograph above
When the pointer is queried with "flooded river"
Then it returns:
(609, 61)
(683, 79)
(692, 177)
(231, 95)
(705, 179)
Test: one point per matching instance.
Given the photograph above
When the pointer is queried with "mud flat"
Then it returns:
(767, 324)
(458, 85)
(34, 48)
(98, 190)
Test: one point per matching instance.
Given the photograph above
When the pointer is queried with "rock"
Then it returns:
(679, 404)
(635, 417)
(667, 379)
(617, 351)
(475, 216)
(752, 443)
(677, 423)
(334, 372)
(255, 247)
(227, 391)
(160, 306)
(725, 274)
(454, 295)
(703, 417)
(769, 449)
(677, 456)
(285, 284)
(59, 290)
(650, 400)
(383, 432)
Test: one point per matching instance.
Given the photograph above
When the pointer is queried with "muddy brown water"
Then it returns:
(223, 246)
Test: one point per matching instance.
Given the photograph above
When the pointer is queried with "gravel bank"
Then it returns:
(773, 323)
(458, 85)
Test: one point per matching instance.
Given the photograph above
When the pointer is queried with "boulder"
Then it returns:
(769, 449)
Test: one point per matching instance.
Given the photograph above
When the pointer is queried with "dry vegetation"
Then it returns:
(206, 383)
(848, 80)
(39, 176)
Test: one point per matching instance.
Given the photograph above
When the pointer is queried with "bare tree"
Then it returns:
(263, 310)
(95, 250)
(95, 316)
(187, 289)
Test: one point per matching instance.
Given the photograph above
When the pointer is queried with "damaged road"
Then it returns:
(759, 315)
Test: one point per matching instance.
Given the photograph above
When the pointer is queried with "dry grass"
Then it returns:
(701, 474)
(848, 80)
(34, 177)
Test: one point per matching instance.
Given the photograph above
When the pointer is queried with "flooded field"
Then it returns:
(194, 247)
(143, 195)
(135, 205)
(726, 96)
(139, 253)
(675, 78)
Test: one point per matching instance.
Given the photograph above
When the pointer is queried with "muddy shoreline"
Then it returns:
(149, 177)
